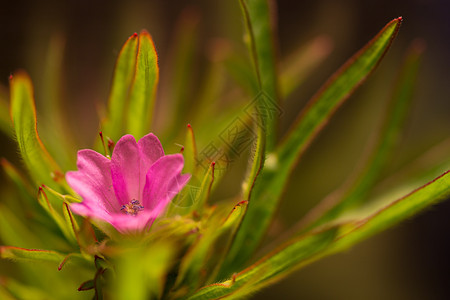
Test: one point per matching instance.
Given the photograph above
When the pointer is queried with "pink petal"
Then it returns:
(125, 168)
(163, 179)
(133, 224)
(92, 181)
(150, 150)
(91, 210)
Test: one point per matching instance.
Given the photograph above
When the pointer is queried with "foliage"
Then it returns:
(202, 248)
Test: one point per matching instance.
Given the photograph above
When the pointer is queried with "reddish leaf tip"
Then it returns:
(189, 126)
(213, 164)
(135, 34)
(10, 77)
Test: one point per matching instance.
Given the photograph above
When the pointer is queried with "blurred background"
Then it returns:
(410, 261)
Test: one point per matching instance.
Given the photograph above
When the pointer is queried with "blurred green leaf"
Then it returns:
(303, 62)
(141, 271)
(178, 85)
(340, 236)
(270, 184)
(54, 127)
(5, 120)
(355, 190)
(190, 152)
(48, 203)
(16, 253)
(143, 89)
(19, 290)
(257, 16)
(39, 163)
(124, 72)
(366, 222)
(200, 262)
(87, 285)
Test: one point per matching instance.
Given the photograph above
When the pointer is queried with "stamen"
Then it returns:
(132, 208)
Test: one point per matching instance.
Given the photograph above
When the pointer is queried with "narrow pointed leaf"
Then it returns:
(369, 222)
(124, 72)
(16, 253)
(190, 152)
(39, 163)
(271, 183)
(87, 285)
(47, 201)
(257, 16)
(143, 90)
(270, 268)
(196, 265)
(339, 237)
(386, 139)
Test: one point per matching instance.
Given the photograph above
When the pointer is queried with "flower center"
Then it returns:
(132, 208)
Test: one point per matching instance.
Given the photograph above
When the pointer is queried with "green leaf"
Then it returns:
(361, 183)
(87, 285)
(190, 152)
(178, 85)
(271, 182)
(143, 90)
(40, 164)
(367, 222)
(54, 127)
(338, 237)
(14, 231)
(5, 120)
(296, 68)
(16, 253)
(19, 290)
(200, 262)
(144, 270)
(113, 124)
(257, 15)
(270, 268)
(48, 202)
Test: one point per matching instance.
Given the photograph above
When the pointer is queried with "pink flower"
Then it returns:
(131, 189)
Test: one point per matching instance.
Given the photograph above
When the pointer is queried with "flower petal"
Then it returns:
(91, 210)
(92, 181)
(125, 169)
(163, 178)
(150, 150)
(133, 224)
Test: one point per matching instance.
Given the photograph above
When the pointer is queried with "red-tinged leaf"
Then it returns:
(143, 89)
(16, 253)
(39, 163)
(270, 184)
(359, 184)
(87, 285)
(124, 72)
